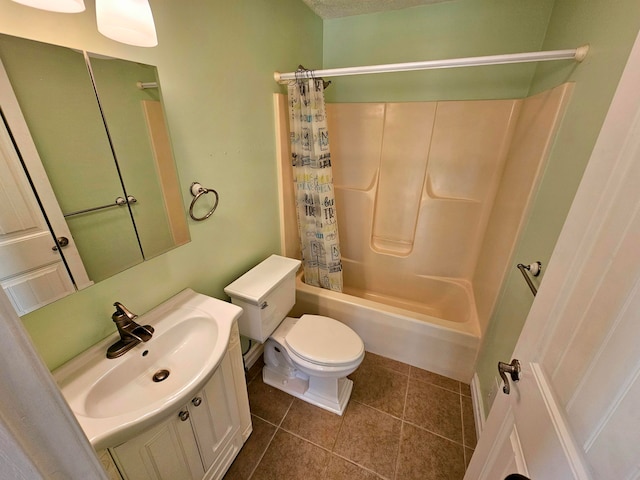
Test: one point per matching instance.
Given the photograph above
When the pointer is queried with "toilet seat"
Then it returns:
(324, 341)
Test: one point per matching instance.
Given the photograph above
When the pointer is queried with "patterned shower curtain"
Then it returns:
(313, 183)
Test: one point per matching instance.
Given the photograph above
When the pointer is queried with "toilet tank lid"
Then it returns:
(258, 282)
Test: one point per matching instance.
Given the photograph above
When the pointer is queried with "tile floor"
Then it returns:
(401, 423)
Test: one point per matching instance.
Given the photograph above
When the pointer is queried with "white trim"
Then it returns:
(563, 431)
(252, 356)
(478, 404)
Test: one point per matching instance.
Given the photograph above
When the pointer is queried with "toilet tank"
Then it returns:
(266, 294)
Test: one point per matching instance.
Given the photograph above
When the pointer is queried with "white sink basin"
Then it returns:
(115, 399)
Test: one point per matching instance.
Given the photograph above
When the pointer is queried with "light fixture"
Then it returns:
(62, 6)
(127, 21)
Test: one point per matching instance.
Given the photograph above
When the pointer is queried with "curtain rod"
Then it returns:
(577, 54)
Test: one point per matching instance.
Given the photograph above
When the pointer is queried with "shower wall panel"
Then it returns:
(405, 138)
(415, 183)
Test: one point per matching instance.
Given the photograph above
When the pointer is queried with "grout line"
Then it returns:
(377, 409)
(342, 417)
(412, 377)
(462, 421)
(297, 435)
(271, 439)
(432, 432)
(286, 413)
(263, 453)
(353, 462)
(404, 412)
(397, 465)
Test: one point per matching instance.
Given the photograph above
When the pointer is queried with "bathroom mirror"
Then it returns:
(96, 126)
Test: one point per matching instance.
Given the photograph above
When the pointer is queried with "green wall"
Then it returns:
(610, 29)
(215, 63)
(462, 28)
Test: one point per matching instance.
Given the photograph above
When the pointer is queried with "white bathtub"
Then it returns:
(444, 341)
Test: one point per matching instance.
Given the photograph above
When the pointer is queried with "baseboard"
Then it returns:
(252, 356)
(478, 404)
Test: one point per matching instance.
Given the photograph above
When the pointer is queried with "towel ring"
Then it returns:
(197, 191)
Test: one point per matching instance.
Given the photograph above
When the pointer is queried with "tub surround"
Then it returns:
(431, 198)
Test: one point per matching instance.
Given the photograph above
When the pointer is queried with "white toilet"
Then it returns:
(308, 357)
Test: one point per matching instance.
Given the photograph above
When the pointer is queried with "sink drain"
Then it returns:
(160, 375)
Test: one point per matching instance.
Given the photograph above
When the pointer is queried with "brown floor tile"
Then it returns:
(341, 469)
(268, 402)
(369, 438)
(434, 408)
(252, 451)
(425, 456)
(468, 453)
(468, 423)
(373, 360)
(291, 458)
(381, 388)
(312, 423)
(255, 369)
(435, 379)
(465, 389)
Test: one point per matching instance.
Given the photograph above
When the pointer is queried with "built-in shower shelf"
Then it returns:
(390, 246)
(431, 194)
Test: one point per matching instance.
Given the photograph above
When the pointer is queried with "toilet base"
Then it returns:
(329, 393)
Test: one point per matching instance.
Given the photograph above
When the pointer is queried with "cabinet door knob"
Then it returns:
(196, 401)
(184, 415)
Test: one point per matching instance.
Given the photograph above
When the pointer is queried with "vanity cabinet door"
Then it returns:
(166, 452)
(198, 442)
(216, 421)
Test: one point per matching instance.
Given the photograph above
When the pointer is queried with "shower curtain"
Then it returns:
(313, 184)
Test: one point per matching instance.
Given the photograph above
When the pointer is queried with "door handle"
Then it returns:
(512, 369)
(62, 241)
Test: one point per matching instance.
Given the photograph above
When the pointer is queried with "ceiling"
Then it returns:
(344, 8)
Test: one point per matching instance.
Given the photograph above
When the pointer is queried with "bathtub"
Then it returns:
(441, 335)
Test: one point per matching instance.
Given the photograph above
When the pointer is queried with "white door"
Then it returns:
(31, 273)
(575, 412)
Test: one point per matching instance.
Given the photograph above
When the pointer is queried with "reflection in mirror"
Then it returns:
(94, 150)
(133, 114)
(28, 263)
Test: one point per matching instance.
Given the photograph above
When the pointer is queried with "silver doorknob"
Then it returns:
(184, 415)
(513, 369)
(62, 241)
(196, 401)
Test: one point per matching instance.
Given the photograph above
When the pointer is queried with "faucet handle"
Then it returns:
(121, 311)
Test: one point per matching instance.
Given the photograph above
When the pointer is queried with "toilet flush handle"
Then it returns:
(263, 305)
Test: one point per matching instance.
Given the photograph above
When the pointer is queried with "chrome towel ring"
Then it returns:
(197, 191)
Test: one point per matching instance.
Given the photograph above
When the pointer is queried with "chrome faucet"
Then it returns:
(131, 334)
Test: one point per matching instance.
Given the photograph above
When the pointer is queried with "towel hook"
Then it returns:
(197, 191)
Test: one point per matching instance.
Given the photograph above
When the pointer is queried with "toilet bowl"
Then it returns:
(308, 357)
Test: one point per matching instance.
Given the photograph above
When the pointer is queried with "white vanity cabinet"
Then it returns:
(201, 440)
